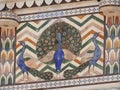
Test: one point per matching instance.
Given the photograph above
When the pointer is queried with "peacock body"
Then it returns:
(97, 53)
(59, 54)
(34, 72)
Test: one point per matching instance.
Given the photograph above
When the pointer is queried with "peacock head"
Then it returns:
(96, 35)
(22, 43)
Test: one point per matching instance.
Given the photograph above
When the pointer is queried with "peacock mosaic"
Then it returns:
(80, 38)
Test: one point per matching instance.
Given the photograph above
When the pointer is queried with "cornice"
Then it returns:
(13, 4)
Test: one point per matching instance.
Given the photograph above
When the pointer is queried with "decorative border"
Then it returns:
(65, 83)
(62, 13)
(109, 2)
(31, 3)
(47, 15)
(9, 15)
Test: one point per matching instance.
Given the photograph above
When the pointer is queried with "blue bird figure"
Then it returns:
(20, 61)
(97, 52)
(21, 64)
(96, 56)
(59, 54)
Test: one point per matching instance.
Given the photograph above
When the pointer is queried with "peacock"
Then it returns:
(96, 56)
(97, 52)
(59, 54)
(25, 69)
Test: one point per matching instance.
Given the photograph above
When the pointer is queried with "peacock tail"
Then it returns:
(71, 39)
(45, 75)
(72, 72)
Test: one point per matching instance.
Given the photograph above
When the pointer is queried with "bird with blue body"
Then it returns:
(97, 52)
(59, 54)
(25, 69)
(96, 56)
(20, 61)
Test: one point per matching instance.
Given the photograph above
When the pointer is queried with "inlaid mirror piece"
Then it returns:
(82, 41)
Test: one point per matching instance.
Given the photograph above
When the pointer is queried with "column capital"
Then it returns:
(9, 18)
(110, 7)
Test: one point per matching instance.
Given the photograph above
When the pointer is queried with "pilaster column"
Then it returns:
(8, 24)
(111, 10)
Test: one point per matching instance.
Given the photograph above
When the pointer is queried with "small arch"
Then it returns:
(3, 56)
(112, 56)
(11, 55)
(6, 68)
(107, 70)
(113, 31)
(108, 43)
(7, 44)
(2, 80)
(10, 79)
(116, 43)
(115, 68)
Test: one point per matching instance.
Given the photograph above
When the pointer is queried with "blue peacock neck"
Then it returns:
(59, 40)
(95, 43)
(23, 50)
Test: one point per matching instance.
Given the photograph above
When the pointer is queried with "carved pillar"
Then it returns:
(8, 24)
(111, 10)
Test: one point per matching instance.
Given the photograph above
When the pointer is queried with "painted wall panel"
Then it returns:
(77, 44)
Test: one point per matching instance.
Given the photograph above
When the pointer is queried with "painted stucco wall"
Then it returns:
(38, 28)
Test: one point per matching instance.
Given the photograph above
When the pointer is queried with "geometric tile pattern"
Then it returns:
(109, 2)
(53, 14)
(85, 24)
(65, 83)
